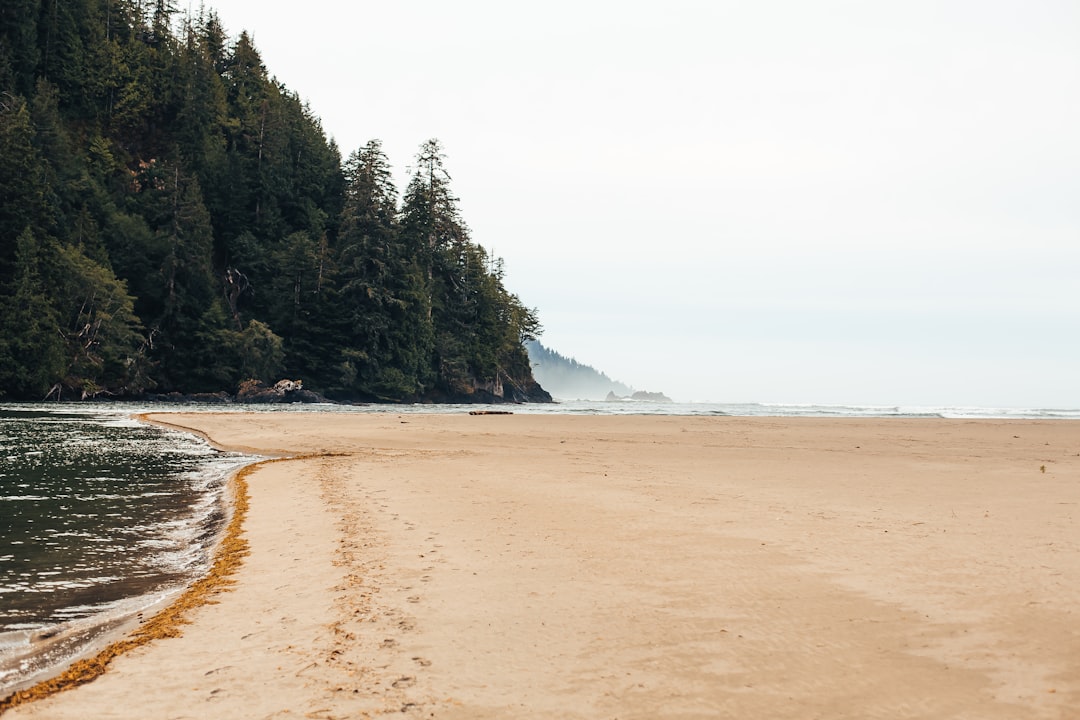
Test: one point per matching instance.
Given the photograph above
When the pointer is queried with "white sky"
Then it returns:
(772, 201)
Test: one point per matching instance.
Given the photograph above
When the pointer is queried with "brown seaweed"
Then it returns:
(168, 623)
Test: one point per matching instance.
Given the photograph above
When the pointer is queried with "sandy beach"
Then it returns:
(540, 566)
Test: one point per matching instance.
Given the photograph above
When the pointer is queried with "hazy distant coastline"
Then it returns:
(568, 379)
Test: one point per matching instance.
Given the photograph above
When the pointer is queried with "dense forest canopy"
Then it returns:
(172, 218)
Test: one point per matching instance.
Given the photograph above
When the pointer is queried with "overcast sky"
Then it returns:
(772, 201)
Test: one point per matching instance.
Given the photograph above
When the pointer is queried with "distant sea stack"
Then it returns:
(641, 395)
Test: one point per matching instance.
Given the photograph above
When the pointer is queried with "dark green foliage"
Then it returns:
(18, 45)
(97, 321)
(476, 326)
(261, 355)
(24, 187)
(31, 350)
(383, 288)
(173, 219)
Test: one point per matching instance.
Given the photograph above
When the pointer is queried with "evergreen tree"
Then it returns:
(431, 229)
(173, 218)
(181, 298)
(61, 170)
(24, 186)
(213, 39)
(203, 111)
(103, 339)
(19, 53)
(262, 354)
(381, 286)
(239, 194)
(477, 328)
(31, 351)
(62, 56)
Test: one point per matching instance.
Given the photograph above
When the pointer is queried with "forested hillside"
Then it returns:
(568, 379)
(172, 218)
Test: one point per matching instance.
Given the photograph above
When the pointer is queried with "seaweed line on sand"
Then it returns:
(167, 623)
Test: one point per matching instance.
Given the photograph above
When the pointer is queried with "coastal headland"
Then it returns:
(557, 566)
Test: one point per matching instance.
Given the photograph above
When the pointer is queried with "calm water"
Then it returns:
(100, 516)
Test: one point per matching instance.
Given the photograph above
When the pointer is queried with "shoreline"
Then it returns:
(164, 466)
(132, 630)
(81, 639)
(582, 566)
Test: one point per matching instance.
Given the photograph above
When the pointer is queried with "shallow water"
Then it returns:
(100, 517)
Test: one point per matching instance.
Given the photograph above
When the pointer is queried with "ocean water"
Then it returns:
(642, 407)
(102, 517)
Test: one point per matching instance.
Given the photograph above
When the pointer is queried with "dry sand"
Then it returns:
(533, 566)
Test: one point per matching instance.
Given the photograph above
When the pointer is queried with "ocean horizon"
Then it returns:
(127, 409)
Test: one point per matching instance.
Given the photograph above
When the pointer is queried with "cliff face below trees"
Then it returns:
(494, 393)
(290, 392)
(175, 222)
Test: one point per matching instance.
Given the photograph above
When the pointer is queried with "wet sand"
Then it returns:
(456, 566)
